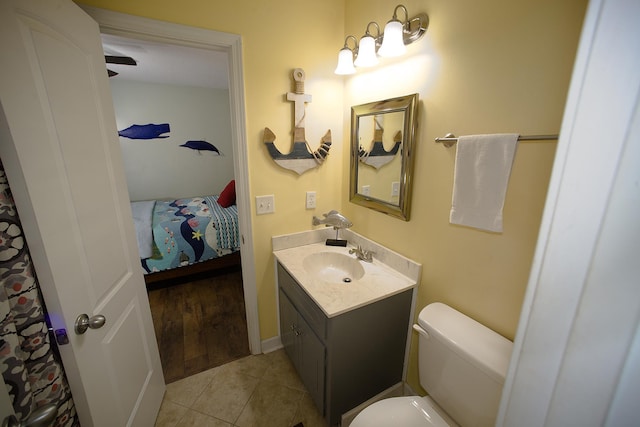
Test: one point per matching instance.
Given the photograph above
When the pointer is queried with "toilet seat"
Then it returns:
(408, 411)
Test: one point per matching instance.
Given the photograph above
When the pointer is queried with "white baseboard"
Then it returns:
(271, 344)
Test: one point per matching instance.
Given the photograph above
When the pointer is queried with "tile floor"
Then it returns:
(262, 390)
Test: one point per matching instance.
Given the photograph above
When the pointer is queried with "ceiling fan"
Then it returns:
(120, 60)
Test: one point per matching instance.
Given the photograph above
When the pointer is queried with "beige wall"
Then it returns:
(484, 67)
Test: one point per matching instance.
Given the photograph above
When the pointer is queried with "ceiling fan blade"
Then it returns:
(111, 73)
(122, 60)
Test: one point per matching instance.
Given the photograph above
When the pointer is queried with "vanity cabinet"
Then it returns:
(346, 359)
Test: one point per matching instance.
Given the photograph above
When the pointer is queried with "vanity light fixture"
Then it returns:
(397, 34)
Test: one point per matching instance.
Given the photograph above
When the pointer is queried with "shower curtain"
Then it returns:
(29, 362)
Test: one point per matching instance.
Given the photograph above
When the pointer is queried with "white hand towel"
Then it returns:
(482, 170)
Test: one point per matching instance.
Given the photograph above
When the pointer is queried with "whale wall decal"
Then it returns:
(201, 146)
(150, 131)
(156, 131)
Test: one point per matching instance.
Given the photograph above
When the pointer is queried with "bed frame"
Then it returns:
(226, 261)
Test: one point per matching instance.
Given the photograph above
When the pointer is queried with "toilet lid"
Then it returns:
(409, 411)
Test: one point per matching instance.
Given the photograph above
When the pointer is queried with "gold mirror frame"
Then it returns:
(408, 105)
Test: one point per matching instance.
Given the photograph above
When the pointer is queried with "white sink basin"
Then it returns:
(321, 270)
(333, 267)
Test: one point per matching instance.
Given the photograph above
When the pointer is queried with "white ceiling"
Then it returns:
(169, 64)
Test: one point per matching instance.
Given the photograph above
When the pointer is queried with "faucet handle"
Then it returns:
(362, 254)
(368, 255)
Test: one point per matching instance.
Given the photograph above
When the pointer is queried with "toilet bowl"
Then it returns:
(462, 366)
(409, 411)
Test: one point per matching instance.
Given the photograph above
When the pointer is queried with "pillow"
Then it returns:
(228, 195)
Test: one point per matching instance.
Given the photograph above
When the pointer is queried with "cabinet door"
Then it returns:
(288, 328)
(304, 348)
(312, 363)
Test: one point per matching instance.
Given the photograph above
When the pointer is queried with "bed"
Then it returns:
(185, 236)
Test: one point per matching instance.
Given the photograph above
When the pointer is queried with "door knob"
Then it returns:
(84, 322)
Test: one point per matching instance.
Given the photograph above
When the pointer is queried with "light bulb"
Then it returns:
(345, 62)
(392, 40)
(366, 52)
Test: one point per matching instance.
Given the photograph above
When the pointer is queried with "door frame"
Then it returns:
(136, 27)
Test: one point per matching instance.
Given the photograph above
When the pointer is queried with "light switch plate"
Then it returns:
(265, 204)
(366, 190)
(395, 189)
(311, 200)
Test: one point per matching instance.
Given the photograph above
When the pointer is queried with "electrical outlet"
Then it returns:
(311, 200)
(366, 190)
(395, 189)
(265, 204)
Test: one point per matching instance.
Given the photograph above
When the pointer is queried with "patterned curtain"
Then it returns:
(29, 363)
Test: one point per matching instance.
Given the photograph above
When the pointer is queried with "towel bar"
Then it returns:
(450, 139)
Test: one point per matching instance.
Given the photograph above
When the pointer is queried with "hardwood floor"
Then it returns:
(200, 323)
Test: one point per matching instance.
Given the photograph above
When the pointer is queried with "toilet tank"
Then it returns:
(462, 365)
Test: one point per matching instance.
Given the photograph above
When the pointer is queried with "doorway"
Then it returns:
(118, 24)
(199, 322)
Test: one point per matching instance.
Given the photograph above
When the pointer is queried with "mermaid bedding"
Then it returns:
(176, 233)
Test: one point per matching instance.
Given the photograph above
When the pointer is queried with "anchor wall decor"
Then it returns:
(301, 158)
(377, 156)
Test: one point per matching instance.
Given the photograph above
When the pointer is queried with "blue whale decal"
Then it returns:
(200, 146)
(149, 131)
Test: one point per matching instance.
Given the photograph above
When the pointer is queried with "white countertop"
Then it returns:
(379, 281)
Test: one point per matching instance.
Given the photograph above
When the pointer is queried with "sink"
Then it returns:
(333, 267)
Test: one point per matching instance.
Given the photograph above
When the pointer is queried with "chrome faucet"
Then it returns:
(362, 254)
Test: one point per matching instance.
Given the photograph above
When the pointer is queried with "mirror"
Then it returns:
(382, 144)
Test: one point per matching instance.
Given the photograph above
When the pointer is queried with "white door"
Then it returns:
(60, 149)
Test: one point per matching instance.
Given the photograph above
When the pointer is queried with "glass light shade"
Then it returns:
(366, 52)
(345, 62)
(392, 41)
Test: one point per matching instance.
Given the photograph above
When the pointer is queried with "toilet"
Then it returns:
(462, 366)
